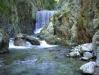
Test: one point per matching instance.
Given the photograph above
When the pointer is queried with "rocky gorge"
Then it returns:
(69, 35)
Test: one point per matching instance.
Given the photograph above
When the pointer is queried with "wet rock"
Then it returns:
(83, 47)
(87, 56)
(88, 68)
(19, 42)
(32, 40)
(74, 54)
(80, 49)
(47, 33)
(22, 39)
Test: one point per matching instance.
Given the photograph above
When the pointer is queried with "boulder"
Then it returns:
(32, 40)
(22, 39)
(19, 42)
(88, 68)
(74, 54)
(87, 56)
(80, 49)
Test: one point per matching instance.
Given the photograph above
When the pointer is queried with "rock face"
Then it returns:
(95, 42)
(26, 20)
(48, 34)
(71, 22)
(4, 42)
(88, 68)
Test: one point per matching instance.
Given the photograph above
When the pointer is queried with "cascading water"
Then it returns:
(38, 59)
(43, 44)
(42, 18)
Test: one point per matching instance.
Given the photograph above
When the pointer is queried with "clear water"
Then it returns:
(39, 61)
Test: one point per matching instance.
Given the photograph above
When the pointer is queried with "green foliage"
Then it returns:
(43, 4)
(6, 5)
(4, 8)
(8, 8)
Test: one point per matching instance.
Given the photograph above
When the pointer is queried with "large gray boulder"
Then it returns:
(88, 68)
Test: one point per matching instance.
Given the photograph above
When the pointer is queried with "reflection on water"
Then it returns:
(39, 61)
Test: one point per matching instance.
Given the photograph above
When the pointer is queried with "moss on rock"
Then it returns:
(72, 24)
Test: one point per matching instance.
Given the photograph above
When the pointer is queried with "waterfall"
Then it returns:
(42, 18)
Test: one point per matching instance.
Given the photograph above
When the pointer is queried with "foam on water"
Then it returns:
(12, 46)
(43, 44)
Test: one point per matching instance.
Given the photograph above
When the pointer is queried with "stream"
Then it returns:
(39, 61)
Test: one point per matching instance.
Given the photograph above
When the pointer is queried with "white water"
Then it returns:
(43, 44)
(42, 18)
(12, 46)
(38, 30)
